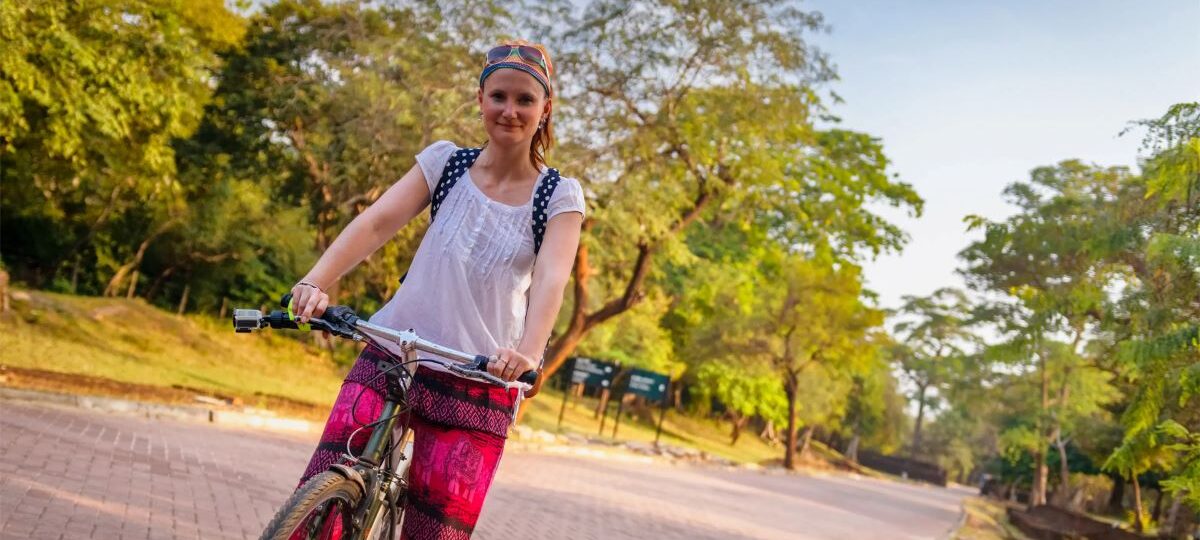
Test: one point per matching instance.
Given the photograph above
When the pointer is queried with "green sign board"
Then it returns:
(648, 384)
(592, 372)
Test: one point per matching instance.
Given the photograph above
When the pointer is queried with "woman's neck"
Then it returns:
(506, 164)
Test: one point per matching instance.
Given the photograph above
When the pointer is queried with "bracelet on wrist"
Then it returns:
(310, 284)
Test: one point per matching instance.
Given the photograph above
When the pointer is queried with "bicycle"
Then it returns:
(363, 497)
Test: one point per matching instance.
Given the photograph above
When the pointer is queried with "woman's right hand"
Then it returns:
(308, 301)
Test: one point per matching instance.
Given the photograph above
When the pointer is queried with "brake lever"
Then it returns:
(340, 321)
(477, 374)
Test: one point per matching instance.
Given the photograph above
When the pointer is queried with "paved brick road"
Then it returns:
(72, 473)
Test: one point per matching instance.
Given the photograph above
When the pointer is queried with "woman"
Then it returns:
(487, 277)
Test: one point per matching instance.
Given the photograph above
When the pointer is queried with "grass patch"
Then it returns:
(986, 520)
(702, 434)
(130, 341)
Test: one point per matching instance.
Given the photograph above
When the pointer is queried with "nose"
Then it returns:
(510, 110)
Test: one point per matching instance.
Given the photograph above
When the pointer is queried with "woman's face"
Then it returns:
(513, 103)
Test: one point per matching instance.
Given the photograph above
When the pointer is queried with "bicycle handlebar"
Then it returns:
(343, 322)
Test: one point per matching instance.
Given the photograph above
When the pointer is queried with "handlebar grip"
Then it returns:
(279, 319)
(287, 299)
(529, 377)
(481, 362)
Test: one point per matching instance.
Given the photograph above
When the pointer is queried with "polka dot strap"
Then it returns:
(541, 200)
(456, 166)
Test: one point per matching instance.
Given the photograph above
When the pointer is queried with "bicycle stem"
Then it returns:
(408, 341)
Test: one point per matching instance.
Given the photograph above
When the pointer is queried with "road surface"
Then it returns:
(75, 473)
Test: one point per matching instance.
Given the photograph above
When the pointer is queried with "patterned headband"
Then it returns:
(521, 57)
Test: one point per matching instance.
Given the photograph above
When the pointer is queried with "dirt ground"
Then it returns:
(71, 383)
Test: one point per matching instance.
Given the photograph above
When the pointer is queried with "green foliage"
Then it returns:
(746, 390)
(638, 341)
(92, 95)
(876, 409)
(1095, 280)
(935, 343)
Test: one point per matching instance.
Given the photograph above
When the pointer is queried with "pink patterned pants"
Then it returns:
(459, 429)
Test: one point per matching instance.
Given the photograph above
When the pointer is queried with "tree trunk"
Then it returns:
(133, 280)
(1062, 494)
(739, 422)
(807, 441)
(916, 442)
(789, 453)
(75, 275)
(582, 322)
(1168, 527)
(1179, 519)
(114, 284)
(1157, 514)
(157, 285)
(1116, 499)
(183, 300)
(769, 434)
(1137, 505)
(1037, 495)
(3, 291)
(1064, 465)
(852, 449)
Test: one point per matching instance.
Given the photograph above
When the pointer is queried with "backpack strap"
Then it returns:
(456, 166)
(541, 200)
(461, 160)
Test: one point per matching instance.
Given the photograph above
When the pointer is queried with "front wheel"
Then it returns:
(320, 510)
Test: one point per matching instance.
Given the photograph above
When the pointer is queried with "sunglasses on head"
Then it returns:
(525, 52)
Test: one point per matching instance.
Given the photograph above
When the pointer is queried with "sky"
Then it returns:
(969, 96)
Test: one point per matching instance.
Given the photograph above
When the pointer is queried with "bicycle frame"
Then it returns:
(383, 482)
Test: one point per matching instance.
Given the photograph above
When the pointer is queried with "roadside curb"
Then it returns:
(962, 521)
(222, 417)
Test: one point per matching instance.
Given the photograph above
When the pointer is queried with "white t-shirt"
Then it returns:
(468, 285)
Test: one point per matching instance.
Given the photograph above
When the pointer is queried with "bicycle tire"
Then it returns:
(324, 487)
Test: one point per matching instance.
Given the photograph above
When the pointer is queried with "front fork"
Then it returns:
(367, 520)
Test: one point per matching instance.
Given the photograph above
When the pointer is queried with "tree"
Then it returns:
(807, 325)
(91, 97)
(670, 128)
(935, 335)
(875, 411)
(744, 390)
(1155, 236)
(327, 103)
(1040, 263)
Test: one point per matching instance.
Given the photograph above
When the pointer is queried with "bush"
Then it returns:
(1088, 492)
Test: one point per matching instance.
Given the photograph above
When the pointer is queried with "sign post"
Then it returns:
(661, 415)
(590, 373)
(567, 389)
(648, 384)
(617, 422)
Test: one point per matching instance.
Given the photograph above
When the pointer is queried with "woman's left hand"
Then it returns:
(508, 364)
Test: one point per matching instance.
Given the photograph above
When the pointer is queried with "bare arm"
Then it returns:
(551, 271)
(366, 233)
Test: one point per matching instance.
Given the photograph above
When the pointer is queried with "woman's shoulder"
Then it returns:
(568, 196)
(440, 148)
